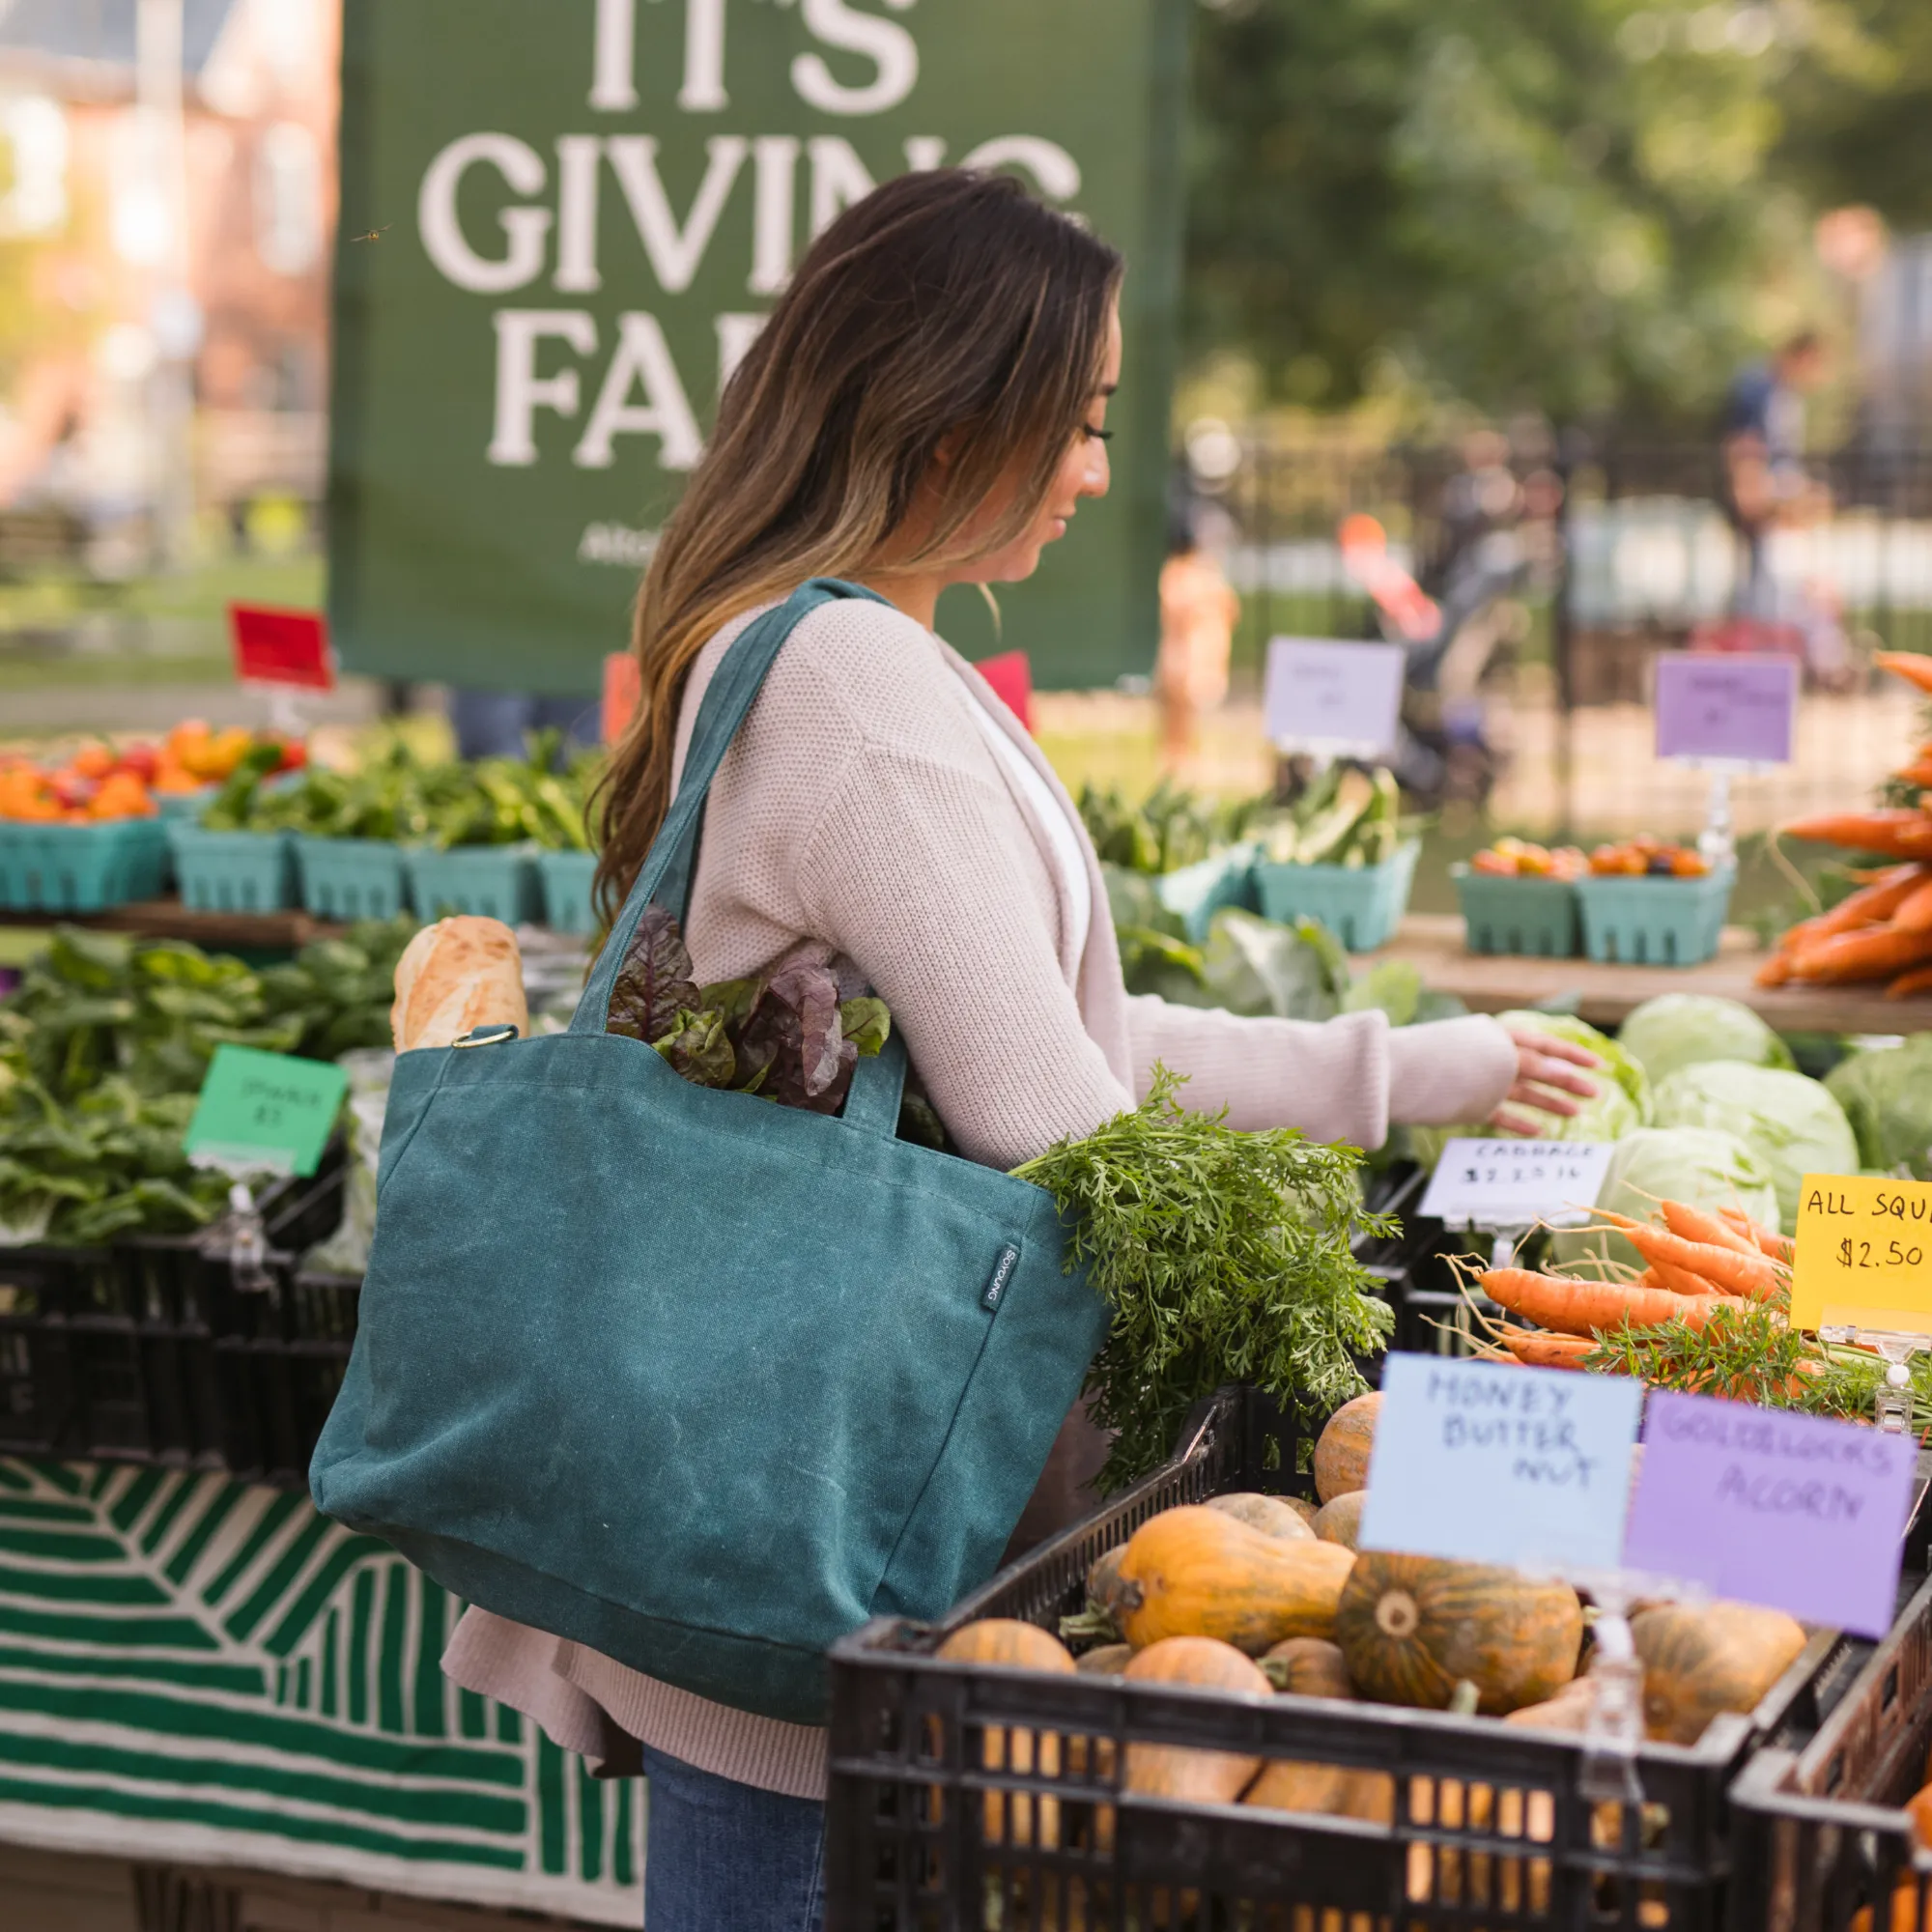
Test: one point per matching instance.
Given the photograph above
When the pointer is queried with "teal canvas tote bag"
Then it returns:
(696, 1380)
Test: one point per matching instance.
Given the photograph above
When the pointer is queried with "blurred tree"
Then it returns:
(1855, 124)
(1581, 206)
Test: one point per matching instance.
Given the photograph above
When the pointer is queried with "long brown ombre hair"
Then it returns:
(947, 307)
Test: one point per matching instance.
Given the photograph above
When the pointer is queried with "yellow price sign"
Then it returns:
(1864, 1254)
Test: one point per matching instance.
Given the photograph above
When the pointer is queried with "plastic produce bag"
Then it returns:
(346, 1252)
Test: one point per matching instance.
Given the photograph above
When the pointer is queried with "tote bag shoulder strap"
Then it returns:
(665, 876)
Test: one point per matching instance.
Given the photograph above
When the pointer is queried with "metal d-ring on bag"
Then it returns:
(698, 1380)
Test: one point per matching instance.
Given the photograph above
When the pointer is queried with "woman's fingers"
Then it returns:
(1534, 1065)
(1506, 1120)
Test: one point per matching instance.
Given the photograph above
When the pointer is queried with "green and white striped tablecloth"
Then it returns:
(193, 1669)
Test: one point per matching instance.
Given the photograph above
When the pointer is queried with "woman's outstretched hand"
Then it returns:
(1545, 1077)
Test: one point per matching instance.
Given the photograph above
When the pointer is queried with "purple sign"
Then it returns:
(1733, 708)
(1769, 1507)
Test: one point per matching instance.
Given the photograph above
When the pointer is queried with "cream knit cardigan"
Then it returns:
(862, 809)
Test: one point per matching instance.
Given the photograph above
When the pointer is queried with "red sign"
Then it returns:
(1011, 678)
(282, 648)
(623, 691)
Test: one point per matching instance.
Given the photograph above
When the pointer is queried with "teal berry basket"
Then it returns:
(1642, 922)
(1361, 905)
(1534, 916)
(1195, 893)
(233, 871)
(81, 868)
(177, 807)
(567, 878)
(485, 881)
(352, 878)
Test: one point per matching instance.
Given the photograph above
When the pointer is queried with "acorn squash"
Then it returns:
(1711, 1657)
(1412, 1627)
(1196, 1572)
(1342, 1450)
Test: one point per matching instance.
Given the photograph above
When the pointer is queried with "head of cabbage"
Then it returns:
(1622, 1099)
(1886, 1095)
(1680, 1029)
(1790, 1123)
(1698, 1166)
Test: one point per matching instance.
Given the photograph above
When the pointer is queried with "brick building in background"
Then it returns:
(106, 297)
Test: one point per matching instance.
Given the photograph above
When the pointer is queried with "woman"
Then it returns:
(926, 406)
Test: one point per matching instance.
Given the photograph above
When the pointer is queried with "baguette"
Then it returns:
(456, 975)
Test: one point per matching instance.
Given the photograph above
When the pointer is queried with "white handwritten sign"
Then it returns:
(1333, 700)
(1515, 1184)
(1487, 1463)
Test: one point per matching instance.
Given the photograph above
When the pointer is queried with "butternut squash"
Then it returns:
(1196, 1572)
(1109, 1660)
(1342, 1450)
(1711, 1657)
(1172, 1770)
(1271, 1515)
(1340, 1521)
(1338, 1791)
(1019, 1817)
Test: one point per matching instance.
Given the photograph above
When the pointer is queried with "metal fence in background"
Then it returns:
(1621, 552)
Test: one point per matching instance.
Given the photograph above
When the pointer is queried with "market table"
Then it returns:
(1607, 994)
(213, 931)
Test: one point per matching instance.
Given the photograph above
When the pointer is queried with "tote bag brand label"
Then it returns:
(1003, 1272)
(564, 222)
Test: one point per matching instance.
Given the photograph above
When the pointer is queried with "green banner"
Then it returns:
(564, 220)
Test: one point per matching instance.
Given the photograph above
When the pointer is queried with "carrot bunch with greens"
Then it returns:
(1883, 929)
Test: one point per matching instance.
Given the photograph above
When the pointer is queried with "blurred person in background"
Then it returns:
(1199, 611)
(1768, 488)
(496, 724)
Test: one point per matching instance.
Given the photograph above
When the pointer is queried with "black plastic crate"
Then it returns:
(1486, 1825)
(117, 1352)
(1822, 1842)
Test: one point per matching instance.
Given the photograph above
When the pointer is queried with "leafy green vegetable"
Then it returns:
(102, 1050)
(1621, 1105)
(1224, 1256)
(1702, 1167)
(1169, 829)
(1792, 1125)
(1886, 1095)
(395, 795)
(1347, 817)
(1752, 1354)
(1680, 1029)
(787, 1036)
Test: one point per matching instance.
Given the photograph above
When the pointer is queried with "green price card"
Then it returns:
(265, 1110)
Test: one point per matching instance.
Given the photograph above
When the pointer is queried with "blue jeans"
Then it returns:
(723, 1857)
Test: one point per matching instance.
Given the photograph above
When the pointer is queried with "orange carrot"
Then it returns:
(1873, 904)
(1776, 1246)
(1908, 665)
(1909, 984)
(1679, 1281)
(1773, 972)
(1918, 772)
(1539, 1350)
(1913, 912)
(1894, 832)
(1712, 1229)
(1577, 1307)
(1737, 1273)
(1875, 952)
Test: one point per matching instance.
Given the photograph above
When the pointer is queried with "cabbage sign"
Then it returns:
(563, 221)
